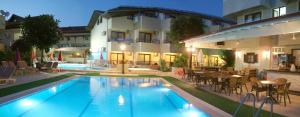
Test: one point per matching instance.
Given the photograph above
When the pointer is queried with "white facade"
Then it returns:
(241, 8)
(131, 29)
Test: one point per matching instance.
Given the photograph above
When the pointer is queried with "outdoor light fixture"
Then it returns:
(266, 54)
(293, 38)
(190, 49)
(122, 47)
(237, 43)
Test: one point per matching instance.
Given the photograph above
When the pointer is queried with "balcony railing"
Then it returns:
(128, 40)
(73, 45)
(156, 41)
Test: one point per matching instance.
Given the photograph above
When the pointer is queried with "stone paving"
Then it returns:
(32, 77)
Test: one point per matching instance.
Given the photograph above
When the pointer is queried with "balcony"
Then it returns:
(152, 46)
(147, 23)
(80, 45)
(120, 40)
(168, 48)
(240, 5)
(115, 45)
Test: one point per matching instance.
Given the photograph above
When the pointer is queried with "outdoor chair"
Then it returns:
(232, 85)
(283, 91)
(54, 67)
(190, 75)
(243, 82)
(46, 67)
(281, 80)
(257, 87)
(6, 75)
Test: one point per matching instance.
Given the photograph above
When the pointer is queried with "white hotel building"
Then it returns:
(144, 31)
(267, 35)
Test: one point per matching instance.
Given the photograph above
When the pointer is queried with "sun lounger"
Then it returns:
(6, 75)
(55, 67)
(23, 65)
(48, 66)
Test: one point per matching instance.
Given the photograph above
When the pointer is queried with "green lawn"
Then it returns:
(18, 88)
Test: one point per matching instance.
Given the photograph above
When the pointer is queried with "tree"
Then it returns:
(184, 27)
(41, 31)
(24, 47)
(22, 44)
(228, 56)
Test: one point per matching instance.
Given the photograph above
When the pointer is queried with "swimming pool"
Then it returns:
(74, 66)
(103, 97)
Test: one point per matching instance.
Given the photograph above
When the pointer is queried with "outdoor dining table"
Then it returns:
(270, 84)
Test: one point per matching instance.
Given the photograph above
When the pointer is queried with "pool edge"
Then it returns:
(198, 103)
(12, 97)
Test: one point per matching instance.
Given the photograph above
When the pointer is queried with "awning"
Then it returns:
(268, 27)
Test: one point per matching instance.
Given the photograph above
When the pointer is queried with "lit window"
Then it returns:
(279, 11)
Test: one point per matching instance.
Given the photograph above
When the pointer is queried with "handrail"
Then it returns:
(247, 96)
(266, 99)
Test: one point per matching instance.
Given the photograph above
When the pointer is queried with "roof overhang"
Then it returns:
(94, 19)
(268, 27)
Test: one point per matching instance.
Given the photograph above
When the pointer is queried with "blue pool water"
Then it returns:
(73, 66)
(102, 97)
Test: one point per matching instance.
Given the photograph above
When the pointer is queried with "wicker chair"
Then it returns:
(283, 91)
(243, 82)
(257, 87)
(232, 85)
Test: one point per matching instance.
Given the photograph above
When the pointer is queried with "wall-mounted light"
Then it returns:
(294, 37)
(238, 54)
(237, 43)
(266, 54)
(190, 49)
(155, 54)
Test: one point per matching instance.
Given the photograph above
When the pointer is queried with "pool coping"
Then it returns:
(198, 103)
(12, 97)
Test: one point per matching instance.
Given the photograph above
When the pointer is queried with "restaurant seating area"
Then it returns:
(229, 82)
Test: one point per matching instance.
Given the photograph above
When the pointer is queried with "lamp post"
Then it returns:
(123, 47)
(190, 50)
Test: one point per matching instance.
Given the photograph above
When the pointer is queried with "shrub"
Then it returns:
(163, 66)
(181, 61)
(6, 55)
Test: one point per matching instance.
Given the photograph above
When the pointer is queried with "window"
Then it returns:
(99, 21)
(144, 59)
(116, 58)
(145, 37)
(279, 11)
(253, 17)
(117, 36)
(130, 17)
